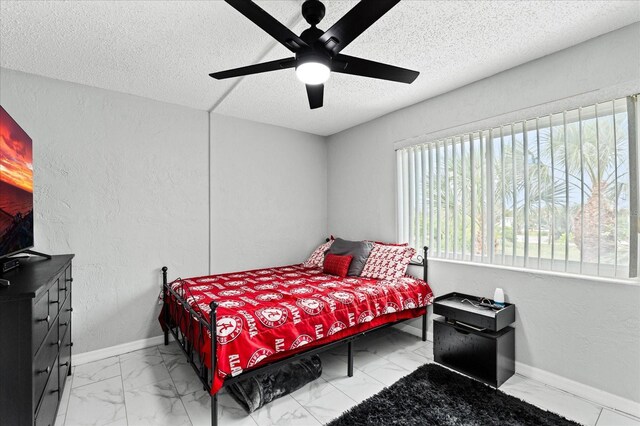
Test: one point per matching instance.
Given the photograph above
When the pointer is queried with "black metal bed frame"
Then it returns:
(206, 376)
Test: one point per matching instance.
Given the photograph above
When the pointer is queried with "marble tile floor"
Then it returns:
(156, 386)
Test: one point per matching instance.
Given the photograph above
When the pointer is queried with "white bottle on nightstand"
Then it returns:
(498, 297)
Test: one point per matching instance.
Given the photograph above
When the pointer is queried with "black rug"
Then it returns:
(433, 395)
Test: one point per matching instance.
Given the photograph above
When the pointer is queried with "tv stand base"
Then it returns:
(37, 253)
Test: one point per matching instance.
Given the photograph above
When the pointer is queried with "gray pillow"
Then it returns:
(360, 251)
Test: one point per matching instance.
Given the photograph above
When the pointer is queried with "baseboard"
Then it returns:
(414, 331)
(587, 392)
(99, 354)
(581, 390)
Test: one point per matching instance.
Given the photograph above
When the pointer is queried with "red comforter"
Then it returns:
(268, 314)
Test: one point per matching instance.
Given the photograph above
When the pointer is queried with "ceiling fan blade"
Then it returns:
(315, 92)
(268, 23)
(357, 66)
(255, 69)
(354, 23)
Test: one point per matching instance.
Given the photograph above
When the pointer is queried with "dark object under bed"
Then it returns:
(263, 388)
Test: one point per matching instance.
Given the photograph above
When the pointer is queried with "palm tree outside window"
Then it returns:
(557, 192)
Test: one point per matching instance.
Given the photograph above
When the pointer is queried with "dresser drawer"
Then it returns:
(46, 413)
(487, 356)
(64, 286)
(65, 358)
(67, 274)
(41, 320)
(54, 299)
(31, 360)
(64, 320)
(43, 364)
(465, 308)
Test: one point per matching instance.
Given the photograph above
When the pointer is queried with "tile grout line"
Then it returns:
(66, 408)
(304, 408)
(97, 381)
(124, 394)
(175, 387)
(598, 419)
(101, 380)
(335, 389)
(283, 396)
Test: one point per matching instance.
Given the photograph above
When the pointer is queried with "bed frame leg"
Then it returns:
(425, 277)
(214, 341)
(165, 305)
(214, 410)
(350, 358)
(424, 326)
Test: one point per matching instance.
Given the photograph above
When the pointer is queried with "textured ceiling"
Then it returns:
(164, 50)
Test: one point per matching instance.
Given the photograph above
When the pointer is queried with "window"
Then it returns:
(554, 193)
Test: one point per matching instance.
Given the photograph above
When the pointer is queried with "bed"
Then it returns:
(244, 323)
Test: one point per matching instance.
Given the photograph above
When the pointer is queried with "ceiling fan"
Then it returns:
(317, 52)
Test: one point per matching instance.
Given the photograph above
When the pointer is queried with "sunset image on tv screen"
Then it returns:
(16, 186)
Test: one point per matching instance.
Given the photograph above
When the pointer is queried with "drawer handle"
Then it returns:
(56, 343)
(70, 310)
(66, 364)
(63, 289)
(45, 371)
(47, 319)
(54, 391)
(69, 280)
(55, 302)
(64, 324)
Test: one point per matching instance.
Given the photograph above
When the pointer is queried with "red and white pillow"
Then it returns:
(388, 262)
(336, 265)
(390, 244)
(317, 257)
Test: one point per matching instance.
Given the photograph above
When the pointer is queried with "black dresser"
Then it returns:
(35, 340)
(475, 340)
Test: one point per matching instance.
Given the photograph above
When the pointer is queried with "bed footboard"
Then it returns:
(184, 339)
(214, 343)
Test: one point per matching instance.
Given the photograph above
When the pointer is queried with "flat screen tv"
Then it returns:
(16, 187)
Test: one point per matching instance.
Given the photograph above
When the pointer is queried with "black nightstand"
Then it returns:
(474, 340)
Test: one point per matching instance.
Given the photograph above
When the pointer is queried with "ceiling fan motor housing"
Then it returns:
(313, 11)
(311, 35)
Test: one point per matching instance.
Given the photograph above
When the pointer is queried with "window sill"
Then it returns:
(620, 281)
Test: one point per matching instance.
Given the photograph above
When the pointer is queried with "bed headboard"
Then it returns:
(421, 261)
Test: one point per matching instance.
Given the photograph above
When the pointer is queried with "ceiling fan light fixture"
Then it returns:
(313, 73)
(317, 52)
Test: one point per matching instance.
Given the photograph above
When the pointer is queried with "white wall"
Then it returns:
(122, 182)
(268, 194)
(583, 330)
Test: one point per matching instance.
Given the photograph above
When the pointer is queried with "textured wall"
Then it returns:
(584, 330)
(268, 194)
(122, 182)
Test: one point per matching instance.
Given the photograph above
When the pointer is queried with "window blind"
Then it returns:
(557, 192)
